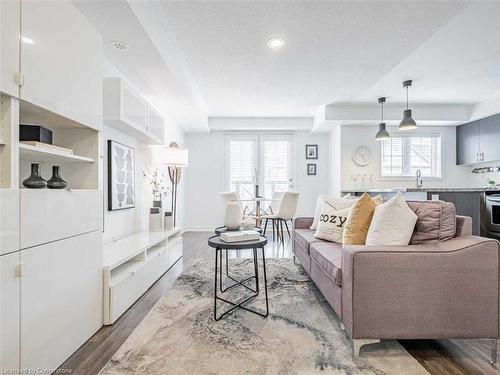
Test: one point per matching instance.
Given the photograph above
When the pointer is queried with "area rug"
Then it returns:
(301, 335)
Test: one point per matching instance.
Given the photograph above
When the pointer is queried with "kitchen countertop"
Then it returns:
(423, 190)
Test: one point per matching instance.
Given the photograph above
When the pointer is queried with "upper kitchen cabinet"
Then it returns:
(477, 141)
(61, 61)
(9, 46)
(468, 143)
(489, 138)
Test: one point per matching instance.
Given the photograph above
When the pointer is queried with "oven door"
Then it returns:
(493, 210)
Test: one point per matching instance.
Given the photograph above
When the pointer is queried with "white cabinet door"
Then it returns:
(62, 68)
(9, 220)
(49, 215)
(9, 46)
(9, 312)
(61, 299)
(156, 124)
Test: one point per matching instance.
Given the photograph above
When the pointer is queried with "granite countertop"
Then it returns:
(423, 190)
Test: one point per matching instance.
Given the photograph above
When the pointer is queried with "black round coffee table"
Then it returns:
(223, 229)
(221, 246)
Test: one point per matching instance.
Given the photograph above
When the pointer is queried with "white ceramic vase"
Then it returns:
(233, 215)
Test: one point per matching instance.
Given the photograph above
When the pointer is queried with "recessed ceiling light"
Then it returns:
(121, 46)
(27, 40)
(276, 43)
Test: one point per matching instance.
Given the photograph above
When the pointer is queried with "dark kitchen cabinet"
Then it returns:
(468, 143)
(479, 141)
(489, 138)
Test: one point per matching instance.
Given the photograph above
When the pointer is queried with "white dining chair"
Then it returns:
(286, 211)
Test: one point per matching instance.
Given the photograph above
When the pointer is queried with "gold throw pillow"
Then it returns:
(359, 219)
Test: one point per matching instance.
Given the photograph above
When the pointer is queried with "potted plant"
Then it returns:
(158, 187)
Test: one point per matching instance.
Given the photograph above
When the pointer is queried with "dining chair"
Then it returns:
(286, 211)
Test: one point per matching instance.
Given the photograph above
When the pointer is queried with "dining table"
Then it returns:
(253, 208)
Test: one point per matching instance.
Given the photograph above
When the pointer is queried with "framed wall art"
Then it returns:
(311, 152)
(311, 169)
(121, 176)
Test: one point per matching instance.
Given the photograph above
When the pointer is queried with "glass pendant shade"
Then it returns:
(382, 133)
(408, 123)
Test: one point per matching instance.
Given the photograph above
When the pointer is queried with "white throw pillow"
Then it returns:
(338, 203)
(331, 223)
(392, 223)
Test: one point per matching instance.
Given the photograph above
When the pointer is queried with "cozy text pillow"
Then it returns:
(392, 223)
(359, 219)
(337, 203)
(331, 223)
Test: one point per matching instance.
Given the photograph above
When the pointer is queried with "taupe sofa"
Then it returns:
(444, 285)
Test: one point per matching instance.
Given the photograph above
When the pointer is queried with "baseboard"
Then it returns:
(199, 229)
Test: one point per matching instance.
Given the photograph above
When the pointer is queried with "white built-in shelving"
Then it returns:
(32, 153)
(127, 111)
(131, 265)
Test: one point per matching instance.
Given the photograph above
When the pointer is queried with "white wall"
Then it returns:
(118, 224)
(354, 136)
(205, 176)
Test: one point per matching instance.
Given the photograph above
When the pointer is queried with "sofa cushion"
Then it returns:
(392, 223)
(305, 237)
(336, 203)
(328, 255)
(331, 223)
(436, 221)
(359, 219)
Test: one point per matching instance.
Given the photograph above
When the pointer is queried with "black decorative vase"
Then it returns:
(35, 181)
(56, 182)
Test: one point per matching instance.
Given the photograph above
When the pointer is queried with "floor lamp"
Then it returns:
(175, 158)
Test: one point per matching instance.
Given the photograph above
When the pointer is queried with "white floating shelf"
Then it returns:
(32, 153)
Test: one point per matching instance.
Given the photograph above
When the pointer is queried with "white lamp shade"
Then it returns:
(175, 157)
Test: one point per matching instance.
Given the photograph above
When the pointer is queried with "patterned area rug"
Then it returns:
(301, 335)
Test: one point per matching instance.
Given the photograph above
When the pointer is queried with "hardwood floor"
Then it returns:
(438, 357)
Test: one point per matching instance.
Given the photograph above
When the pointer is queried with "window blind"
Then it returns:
(402, 155)
(276, 166)
(242, 167)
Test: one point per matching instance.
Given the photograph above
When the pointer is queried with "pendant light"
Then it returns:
(408, 123)
(382, 132)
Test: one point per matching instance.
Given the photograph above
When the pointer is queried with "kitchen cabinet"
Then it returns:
(62, 68)
(61, 299)
(489, 138)
(468, 143)
(477, 141)
(9, 311)
(9, 46)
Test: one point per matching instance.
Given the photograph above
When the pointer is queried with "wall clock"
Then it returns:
(361, 156)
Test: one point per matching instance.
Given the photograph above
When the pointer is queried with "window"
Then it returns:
(265, 160)
(403, 154)
(242, 166)
(276, 168)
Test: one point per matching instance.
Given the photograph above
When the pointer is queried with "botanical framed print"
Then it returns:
(311, 169)
(121, 176)
(311, 152)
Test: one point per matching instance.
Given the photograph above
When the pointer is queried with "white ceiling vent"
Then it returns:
(120, 46)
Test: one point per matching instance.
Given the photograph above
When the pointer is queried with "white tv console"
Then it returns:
(132, 264)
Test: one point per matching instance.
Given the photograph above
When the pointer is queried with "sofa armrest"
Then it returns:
(464, 226)
(444, 290)
(302, 222)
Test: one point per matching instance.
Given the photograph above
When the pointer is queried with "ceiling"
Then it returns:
(206, 60)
